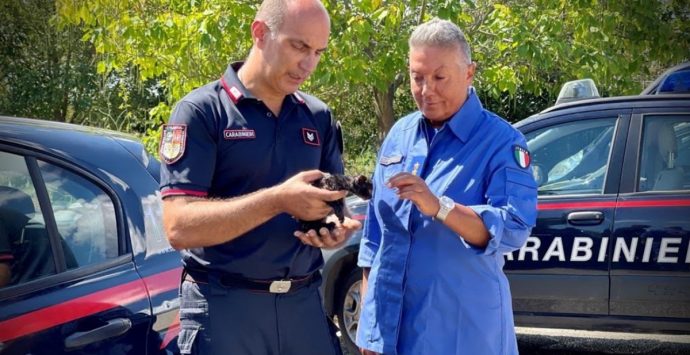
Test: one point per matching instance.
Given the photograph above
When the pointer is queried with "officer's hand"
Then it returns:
(300, 199)
(412, 187)
(367, 352)
(327, 240)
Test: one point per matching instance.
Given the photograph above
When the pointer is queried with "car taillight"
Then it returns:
(359, 217)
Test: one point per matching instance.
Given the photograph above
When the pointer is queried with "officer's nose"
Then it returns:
(309, 62)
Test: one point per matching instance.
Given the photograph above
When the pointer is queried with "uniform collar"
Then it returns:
(463, 122)
(237, 92)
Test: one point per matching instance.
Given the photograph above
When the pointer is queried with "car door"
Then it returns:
(73, 287)
(650, 268)
(563, 268)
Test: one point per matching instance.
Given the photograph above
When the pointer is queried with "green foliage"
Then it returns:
(123, 64)
(45, 72)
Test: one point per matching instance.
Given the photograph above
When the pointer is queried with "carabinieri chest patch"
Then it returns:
(311, 136)
(230, 134)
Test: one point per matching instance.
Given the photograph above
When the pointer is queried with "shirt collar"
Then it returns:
(463, 122)
(235, 89)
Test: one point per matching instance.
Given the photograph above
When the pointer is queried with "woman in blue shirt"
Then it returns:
(453, 192)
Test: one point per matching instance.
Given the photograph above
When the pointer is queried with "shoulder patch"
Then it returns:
(173, 141)
(522, 157)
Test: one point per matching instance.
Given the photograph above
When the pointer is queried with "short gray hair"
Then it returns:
(271, 12)
(440, 33)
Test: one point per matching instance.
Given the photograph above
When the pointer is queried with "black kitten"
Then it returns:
(360, 186)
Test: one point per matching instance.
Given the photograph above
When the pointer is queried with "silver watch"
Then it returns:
(447, 204)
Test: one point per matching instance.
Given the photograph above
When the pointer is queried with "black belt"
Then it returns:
(237, 281)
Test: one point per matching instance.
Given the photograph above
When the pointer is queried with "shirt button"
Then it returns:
(268, 114)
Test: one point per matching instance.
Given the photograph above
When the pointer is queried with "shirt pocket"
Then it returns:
(519, 181)
(391, 164)
(521, 193)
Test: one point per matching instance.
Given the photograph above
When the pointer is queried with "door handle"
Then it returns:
(113, 328)
(586, 217)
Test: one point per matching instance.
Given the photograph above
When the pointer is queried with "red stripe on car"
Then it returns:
(87, 305)
(612, 204)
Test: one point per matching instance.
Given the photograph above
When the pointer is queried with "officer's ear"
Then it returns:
(260, 32)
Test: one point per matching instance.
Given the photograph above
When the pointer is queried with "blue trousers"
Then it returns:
(215, 319)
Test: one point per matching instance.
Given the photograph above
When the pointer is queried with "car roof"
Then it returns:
(609, 103)
(67, 140)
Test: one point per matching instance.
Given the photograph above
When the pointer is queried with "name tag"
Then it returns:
(393, 159)
(239, 134)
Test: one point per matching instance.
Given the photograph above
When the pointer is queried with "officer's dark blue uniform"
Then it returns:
(222, 142)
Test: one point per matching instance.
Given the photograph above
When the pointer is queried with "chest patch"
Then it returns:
(311, 136)
(174, 137)
(234, 134)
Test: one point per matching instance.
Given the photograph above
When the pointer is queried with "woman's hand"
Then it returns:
(412, 187)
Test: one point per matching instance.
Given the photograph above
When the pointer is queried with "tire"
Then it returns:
(348, 308)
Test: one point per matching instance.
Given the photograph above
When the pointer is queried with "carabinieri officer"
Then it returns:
(239, 155)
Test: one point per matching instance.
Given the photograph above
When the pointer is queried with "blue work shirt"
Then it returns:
(233, 145)
(429, 291)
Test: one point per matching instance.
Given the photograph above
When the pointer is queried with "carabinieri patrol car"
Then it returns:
(84, 265)
(611, 248)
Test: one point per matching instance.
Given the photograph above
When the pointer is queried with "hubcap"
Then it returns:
(351, 309)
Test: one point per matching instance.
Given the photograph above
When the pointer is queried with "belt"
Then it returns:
(236, 281)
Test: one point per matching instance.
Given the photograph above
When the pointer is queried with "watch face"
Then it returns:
(447, 205)
(447, 202)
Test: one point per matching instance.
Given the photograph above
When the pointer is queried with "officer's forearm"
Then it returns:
(465, 222)
(192, 222)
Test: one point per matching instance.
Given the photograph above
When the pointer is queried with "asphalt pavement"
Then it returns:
(537, 341)
(540, 341)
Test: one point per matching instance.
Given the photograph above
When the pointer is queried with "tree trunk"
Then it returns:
(383, 103)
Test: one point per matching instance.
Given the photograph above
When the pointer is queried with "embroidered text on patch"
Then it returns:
(239, 134)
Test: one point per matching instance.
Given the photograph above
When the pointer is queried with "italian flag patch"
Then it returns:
(521, 156)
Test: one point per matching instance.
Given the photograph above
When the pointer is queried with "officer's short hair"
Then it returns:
(272, 12)
(440, 33)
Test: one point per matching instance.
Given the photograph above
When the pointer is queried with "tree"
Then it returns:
(46, 71)
(525, 51)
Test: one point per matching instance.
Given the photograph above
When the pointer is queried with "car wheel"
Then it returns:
(348, 308)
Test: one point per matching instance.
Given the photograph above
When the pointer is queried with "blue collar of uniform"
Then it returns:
(235, 89)
(463, 122)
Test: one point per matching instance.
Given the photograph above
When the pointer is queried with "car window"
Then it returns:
(572, 157)
(84, 214)
(665, 154)
(25, 249)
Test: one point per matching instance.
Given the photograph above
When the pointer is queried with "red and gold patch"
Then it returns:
(173, 141)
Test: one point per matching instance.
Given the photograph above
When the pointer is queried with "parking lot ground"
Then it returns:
(540, 341)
